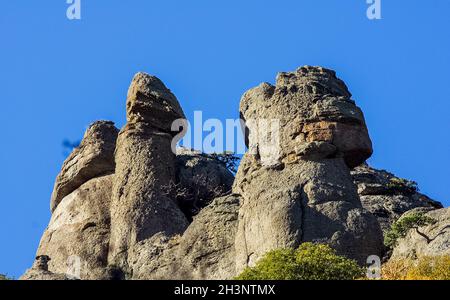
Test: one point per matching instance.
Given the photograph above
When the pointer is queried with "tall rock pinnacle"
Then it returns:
(303, 191)
(144, 165)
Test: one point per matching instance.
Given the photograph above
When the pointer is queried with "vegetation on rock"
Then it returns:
(400, 185)
(401, 227)
(228, 159)
(425, 268)
(308, 262)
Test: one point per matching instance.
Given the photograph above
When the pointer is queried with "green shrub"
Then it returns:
(400, 185)
(401, 227)
(308, 262)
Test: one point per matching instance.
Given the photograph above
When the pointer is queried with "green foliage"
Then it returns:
(401, 227)
(308, 262)
(400, 185)
(228, 159)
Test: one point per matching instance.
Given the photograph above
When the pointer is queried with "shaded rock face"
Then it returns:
(430, 240)
(200, 178)
(144, 164)
(93, 158)
(387, 196)
(305, 192)
(204, 251)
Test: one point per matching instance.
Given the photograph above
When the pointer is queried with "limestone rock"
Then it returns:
(295, 180)
(431, 240)
(145, 163)
(93, 158)
(200, 179)
(77, 237)
(387, 196)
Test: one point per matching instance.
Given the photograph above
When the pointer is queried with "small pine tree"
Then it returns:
(228, 159)
(401, 227)
(402, 186)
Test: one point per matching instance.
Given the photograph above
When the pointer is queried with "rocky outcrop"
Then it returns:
(125, 206)
(204, 251)
(145, 163)
(199, 179)
(40, 271)
(430, 240)
(93, 158)
(302, 190)
(317, 118)
(387, 196)
(77, 236)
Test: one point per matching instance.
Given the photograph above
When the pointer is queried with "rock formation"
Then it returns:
(79, 229)
(387, 196)
(200, 178)
(303, 191)
(205, 251)
(430, 240)
(94, 157)
(125, 206)
(144, 164)
(39, 271)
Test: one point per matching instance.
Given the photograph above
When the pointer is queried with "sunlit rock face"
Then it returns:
(126, 206)
(145, 163)
(93, 158)
(295, 182)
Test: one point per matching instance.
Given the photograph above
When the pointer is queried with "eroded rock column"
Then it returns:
(145, 165)
(295, 182)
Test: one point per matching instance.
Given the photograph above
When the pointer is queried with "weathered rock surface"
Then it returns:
(149, 101)
(314, 110)
(145, 163)
(32, 274)
(302, 190)
(40, 271)
(430, 240)
(77, 237)
(387, 196)
(204, 251)
(126, 207)
(93, 158)
(200, 179)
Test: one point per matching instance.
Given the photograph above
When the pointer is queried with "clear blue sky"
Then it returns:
(57, 76)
